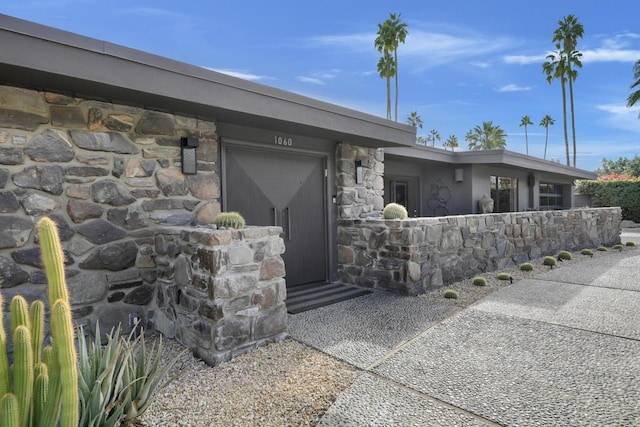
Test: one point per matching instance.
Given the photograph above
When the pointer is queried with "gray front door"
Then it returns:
(285, 189)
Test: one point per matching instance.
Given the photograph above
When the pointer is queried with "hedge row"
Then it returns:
(625, 194)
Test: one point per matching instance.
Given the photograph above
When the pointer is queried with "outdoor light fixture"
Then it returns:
(458, 174)
(189, 163)
(359, 172)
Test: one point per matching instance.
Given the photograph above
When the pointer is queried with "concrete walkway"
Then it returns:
(562, 349)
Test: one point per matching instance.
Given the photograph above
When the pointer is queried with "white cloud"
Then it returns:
(511, 87)
(619, 116)
(480, 64)
(610, 55)
(524, 59)
(424, 48)
(312, 80)
(241, 74)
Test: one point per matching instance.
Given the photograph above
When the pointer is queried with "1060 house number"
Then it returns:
(278, 140)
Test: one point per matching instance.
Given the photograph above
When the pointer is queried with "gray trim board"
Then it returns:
(63, 61)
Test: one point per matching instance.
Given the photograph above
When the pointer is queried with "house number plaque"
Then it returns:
(279, 140)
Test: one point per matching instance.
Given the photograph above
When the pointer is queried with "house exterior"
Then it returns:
(128, 152)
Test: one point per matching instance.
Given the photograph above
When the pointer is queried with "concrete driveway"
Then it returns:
(562, 349)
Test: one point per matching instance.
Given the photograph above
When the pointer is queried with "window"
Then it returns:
(504, 192)
(550, 196)
(401, 193)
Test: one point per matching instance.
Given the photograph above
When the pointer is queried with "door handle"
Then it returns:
(288, 211)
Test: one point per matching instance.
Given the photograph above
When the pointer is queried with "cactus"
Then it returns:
(479, 281)
(229, 220)
(451, 294)
(9, 411)
(588, 252)
(41, 393)
(549, 261)
(526, 266)
(394, 211)
(565, 255)
(630, 243)
(503, 276)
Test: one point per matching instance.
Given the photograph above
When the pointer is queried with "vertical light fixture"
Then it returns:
(458, 174)
(189, 163)
(359, 172)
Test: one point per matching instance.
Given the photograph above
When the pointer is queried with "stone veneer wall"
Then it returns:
(221, 292)
(109, 175)
(359, 200)
(413, 255)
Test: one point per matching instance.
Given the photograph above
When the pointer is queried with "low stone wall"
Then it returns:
(413, 255)
(220, 292)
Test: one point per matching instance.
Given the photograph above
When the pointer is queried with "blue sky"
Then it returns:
(464, 62)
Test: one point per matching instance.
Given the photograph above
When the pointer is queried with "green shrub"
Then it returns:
(503, 276)
(527, 266)
(394, 211)
(479, 281)
(602, 249)
(623, 193)
(549, 261)
(630, 243)
(618, 247)
(451, 294)
(588, 252)
(229, 220)
(565, 255)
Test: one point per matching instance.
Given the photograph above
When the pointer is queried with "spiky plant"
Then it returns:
(630, 243)
(451, 294)
(549, 261)
(394, 211)
(565, 255)
(587, 252)
(618, 247)
(602, 249)
(479, 281)
(229, 220)
(526, 266)
(503, 276)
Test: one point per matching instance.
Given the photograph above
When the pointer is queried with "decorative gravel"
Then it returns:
(283, 384)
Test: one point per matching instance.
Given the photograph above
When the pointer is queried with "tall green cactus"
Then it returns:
(41, 387)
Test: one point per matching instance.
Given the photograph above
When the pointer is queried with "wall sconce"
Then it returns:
(189, 163)
(531, 180)
(458, 175)
(359, 172)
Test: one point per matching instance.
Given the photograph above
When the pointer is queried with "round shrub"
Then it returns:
(602, 249)
(588, 252)
(527, 266)
(229, 220)
(503, 276)
(618, 247)
(479, 281)
(630, 243)
(565, 255)
(549, 261)
(451, 294)
(394, 211)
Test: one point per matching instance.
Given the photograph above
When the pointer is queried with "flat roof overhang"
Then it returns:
(46, 58)
(490, 157)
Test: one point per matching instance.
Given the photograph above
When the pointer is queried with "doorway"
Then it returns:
(285, 189)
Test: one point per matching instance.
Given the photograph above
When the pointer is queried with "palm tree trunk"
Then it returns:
(546, 139)
(573, 122)
(526, 139)
(395, 54)
(564, 117)
(388, 97)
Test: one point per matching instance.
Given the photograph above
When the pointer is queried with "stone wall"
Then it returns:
(413, 255)
(109, 175)
(365, 199)
(221, 292)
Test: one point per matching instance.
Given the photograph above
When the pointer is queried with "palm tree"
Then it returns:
(555, 68)
(635, 96)
(415, 120)
(397, 34)
(391, 33)
(486, 137)
(526, 121)
(451, 142)
(386, 69)
(435, 135)
(546, 122)
(568, 32)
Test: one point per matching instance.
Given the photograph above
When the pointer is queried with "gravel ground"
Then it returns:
(284, 384)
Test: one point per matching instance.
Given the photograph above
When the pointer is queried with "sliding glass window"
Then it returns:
(550, 196)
